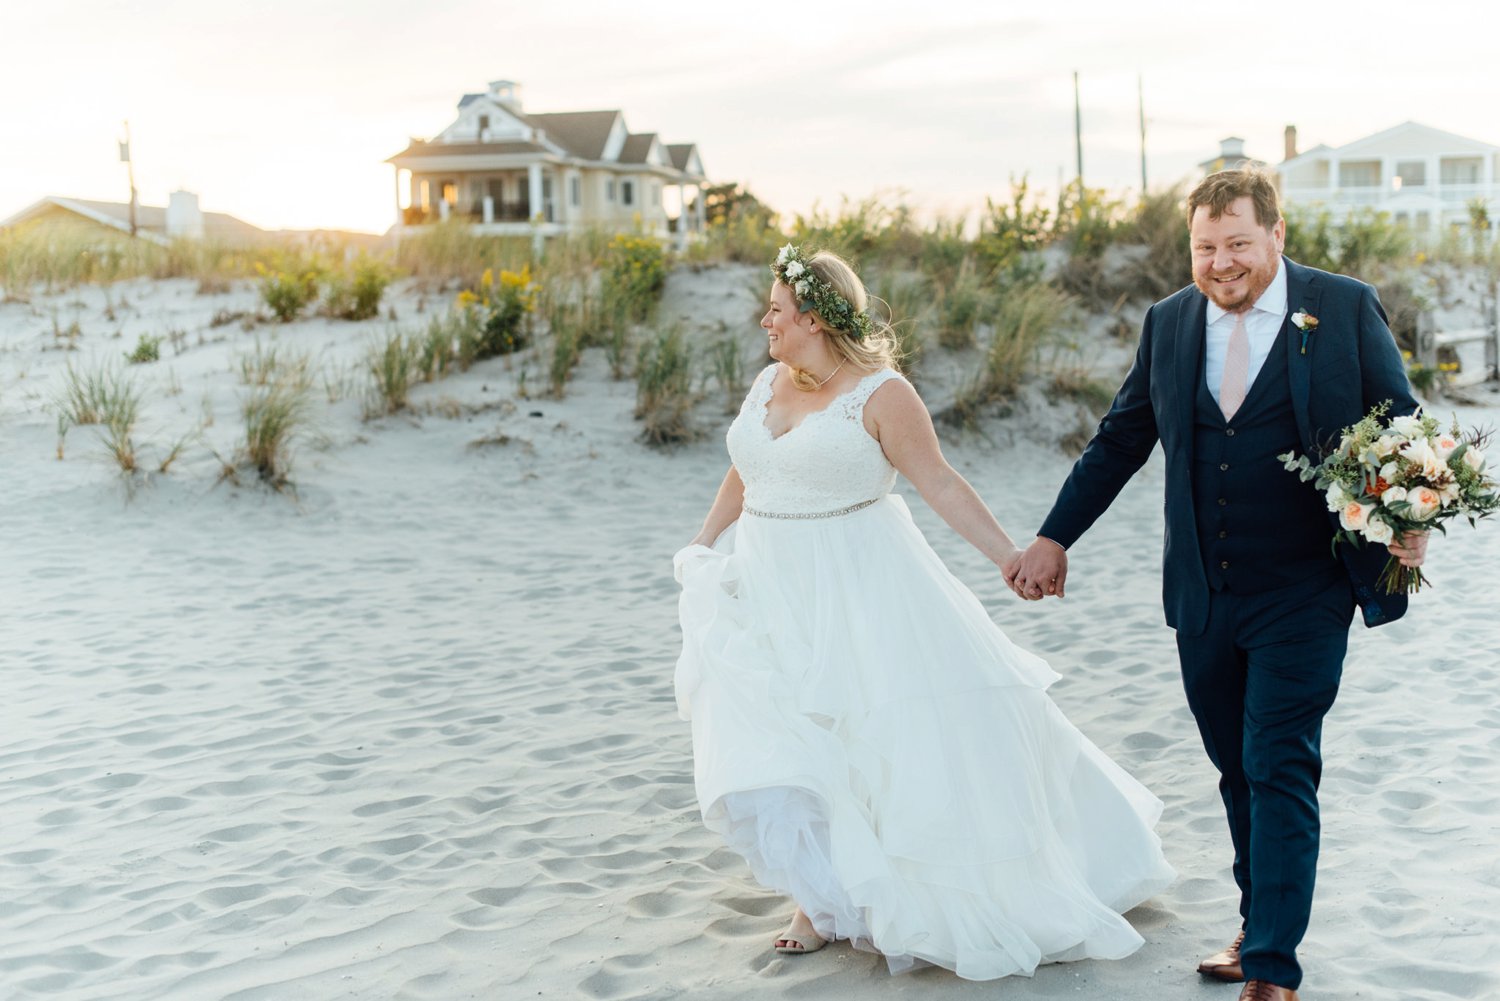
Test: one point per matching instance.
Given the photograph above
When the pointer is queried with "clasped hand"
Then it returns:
(1038, 570)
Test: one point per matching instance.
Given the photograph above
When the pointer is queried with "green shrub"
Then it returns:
(147, 349)
(286, 294)
(500, 311)
(355, 294)
(633, 273)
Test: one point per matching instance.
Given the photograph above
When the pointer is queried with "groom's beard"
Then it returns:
(1257, 280)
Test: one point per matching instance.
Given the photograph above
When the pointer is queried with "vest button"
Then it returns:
(1224, 565)
(1229, 432)
(1222, 502)
(1223, 466)
(1223, 535)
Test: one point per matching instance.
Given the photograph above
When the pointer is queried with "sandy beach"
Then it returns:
(409, 733)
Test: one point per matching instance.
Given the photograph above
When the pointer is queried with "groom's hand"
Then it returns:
(1041, 570)
(1410, 548)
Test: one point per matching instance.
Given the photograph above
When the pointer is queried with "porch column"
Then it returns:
(534, 190)
(700, 211)
(682, 216)
(400, 219)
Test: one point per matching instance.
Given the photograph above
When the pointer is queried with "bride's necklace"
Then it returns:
(826, 381)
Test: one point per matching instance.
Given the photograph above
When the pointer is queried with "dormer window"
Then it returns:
(484, 125)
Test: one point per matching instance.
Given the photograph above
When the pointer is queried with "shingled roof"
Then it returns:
(637, 147)
(582, 133)
(151, 220)
(509, 146)
(680, 154)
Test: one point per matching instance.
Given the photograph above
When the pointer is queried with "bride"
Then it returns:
(863, 734)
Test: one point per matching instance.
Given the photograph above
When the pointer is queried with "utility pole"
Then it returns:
(130, 174)
(1140, 97)
(1078, 129)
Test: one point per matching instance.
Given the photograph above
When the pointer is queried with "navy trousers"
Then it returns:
(1259, 681)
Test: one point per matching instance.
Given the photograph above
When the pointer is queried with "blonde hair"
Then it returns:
(876, 350)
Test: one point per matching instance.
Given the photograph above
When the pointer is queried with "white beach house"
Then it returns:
(508, 171)
(1423, 177)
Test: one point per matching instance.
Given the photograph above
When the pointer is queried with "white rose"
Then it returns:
(1474, 458)
(784, 253)
(1409, 427)
(1389, 472)
(1385, 445)
(1393, 495)
(1448, 492)
(1443, 445)
(1424, 502)
(1337, 497)
(802, 288)
(1354, 515)
(1378, 532)
(794, 269)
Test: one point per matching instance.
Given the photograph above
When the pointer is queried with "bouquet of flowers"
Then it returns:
(1390, 477)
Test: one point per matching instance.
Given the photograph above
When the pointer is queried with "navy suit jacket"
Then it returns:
(1350, 365)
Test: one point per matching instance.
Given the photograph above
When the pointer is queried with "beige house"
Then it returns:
(1423, 177)
(181, 218)
(512, 172)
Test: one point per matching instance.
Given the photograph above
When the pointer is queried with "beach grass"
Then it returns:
(664, 389)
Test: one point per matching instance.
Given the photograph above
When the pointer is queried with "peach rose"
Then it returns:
(1353, 515)
(1425, 502)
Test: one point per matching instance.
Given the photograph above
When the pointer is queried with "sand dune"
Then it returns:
(411, 733)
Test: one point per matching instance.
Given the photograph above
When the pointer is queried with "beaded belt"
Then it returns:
(818, 514)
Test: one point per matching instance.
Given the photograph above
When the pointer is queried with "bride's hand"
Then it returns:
(1041, 570)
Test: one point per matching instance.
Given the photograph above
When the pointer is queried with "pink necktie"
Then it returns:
(1236, 369)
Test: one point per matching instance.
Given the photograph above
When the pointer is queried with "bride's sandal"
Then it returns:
(795, 943)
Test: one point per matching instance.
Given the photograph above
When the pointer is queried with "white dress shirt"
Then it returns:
(1263, 322)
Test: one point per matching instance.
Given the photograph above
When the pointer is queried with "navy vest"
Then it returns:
(1259, 526)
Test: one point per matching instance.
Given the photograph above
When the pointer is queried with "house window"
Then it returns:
(1413, 173)
(627, 192)
(609, 189)
(1403, 220)
(484, 126)
(575, 191)
(1359, 174)
(450, 192)
(1424, 220)
(1461, 170)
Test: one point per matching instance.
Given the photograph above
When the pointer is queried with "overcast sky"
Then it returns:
(283, 112)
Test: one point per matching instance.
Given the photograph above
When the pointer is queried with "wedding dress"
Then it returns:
(873, 745)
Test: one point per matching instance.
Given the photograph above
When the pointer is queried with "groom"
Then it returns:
(1226, 378)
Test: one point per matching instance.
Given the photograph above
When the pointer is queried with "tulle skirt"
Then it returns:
(877, 749)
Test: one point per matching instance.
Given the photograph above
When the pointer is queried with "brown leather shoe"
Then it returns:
(1261, 990)
(1225, 965)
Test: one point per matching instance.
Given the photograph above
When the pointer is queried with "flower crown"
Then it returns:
(813, 292)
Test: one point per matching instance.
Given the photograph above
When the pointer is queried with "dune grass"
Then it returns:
(664, 397)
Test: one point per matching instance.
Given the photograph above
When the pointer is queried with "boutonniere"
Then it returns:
(1305, 322)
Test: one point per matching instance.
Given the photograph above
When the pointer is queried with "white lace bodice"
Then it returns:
(827, 462)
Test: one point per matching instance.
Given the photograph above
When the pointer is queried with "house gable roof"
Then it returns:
(637, 148)
(684, 157)
(1412, 138)
(151, 220)
(583, 133)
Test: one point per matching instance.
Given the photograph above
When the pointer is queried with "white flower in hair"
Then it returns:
(784, 253)
(794, 269)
